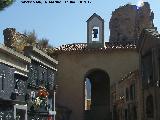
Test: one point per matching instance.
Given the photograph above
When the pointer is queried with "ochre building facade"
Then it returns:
(105, 64)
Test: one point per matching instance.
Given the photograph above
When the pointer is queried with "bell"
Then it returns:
(95, 32)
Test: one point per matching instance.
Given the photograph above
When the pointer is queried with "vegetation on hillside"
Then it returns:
(19, 41)
(31, 37)
(42, 44)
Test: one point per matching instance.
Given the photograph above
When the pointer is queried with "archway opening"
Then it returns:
(87, 94)
(97, 95)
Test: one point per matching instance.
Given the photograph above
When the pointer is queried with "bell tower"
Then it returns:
(95, 31)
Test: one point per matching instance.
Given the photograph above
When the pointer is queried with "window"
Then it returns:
(20, 84)
(132, 92)
(150, 80)
(16, 85)
(42, 78)
(127, 94)
(134, 112)
(33, 74)
(126, 114)
(115, 114)
(149, 106)
(2, 81)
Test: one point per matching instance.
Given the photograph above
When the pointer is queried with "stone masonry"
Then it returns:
(13, 39)
(128, 21)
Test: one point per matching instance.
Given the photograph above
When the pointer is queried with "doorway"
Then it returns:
(99, 105)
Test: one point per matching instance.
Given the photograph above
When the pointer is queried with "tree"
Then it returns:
(5, 3)
(31, 37)
(42, 44)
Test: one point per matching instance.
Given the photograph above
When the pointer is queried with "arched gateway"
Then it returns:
(100, 95)
(103, 64)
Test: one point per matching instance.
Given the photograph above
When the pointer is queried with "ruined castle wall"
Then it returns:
(14, 39)
(128, 21)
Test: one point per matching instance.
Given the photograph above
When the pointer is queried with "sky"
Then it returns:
(63, 23)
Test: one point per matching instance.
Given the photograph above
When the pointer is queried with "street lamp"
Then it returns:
(54, 104)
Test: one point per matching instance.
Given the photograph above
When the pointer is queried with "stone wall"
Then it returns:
(18, 41)
(128, 21)
(73, 67)
(126, 97)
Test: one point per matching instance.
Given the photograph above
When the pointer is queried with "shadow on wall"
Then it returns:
(63, 113)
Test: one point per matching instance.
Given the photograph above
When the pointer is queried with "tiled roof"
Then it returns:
(84, 47)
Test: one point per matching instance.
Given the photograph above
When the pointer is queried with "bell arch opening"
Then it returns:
(97, 95)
